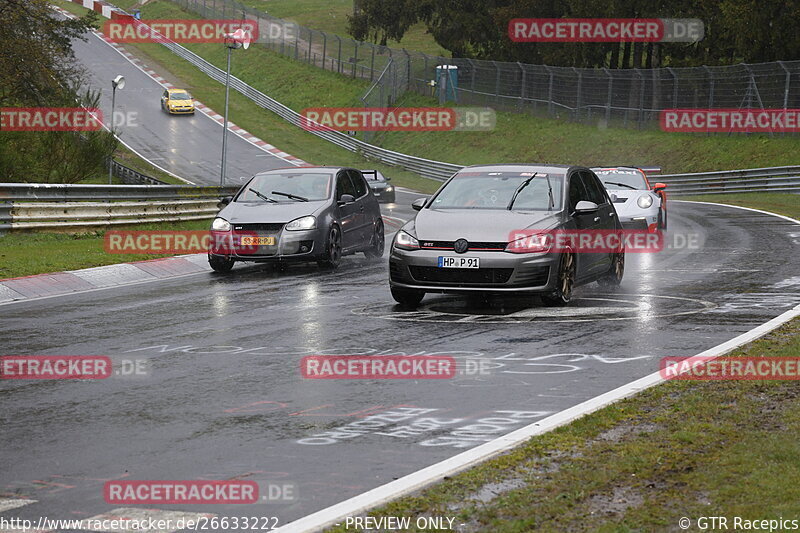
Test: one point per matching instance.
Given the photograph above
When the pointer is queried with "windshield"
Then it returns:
(314, 186)
(180, 96)
(495, 190)
(630, 178)
(372, 176)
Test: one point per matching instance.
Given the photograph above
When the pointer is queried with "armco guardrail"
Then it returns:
(132, 177)
(35, 206)
(771, 179)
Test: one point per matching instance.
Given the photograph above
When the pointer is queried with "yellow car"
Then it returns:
(177, 102)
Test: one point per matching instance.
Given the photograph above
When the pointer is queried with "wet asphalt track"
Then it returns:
(224, 397)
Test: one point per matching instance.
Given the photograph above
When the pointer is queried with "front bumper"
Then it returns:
(647, 221)
(498, 272)
(180, 110)
(383, 195)
(304, 245)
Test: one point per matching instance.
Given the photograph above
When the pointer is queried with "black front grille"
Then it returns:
(448, 245)
(461, 275)
(532, 276)
(277, 226)
(634, 225)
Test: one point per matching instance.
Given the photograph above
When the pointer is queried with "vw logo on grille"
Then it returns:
(461, 246)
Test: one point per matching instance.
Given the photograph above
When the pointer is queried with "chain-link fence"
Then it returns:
(622, 97)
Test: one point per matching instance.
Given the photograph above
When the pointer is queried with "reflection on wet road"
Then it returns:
(223, 397)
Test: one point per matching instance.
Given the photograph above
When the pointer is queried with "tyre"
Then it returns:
(661, 224)
(220, 264)
(562, 294)
(378, 242)
(333, 249)
(407, 297)
(615, 273)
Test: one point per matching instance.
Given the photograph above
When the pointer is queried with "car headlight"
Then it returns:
(405, 241)
(645, 201)
(531, 244)
(220, 224)
(307, 222)
(389, 188)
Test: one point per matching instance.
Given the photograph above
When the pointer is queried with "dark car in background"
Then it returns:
(464, 238)
(380, 186)
(298, 214)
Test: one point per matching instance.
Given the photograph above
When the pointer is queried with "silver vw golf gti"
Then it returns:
(465, 238)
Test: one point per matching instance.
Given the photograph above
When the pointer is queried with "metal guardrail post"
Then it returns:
(5, 216)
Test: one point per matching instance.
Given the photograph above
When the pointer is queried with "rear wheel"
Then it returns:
(615, 273)
(378, 243)
(333, 249)
(220, 264)
(565, 282)
(407, 297)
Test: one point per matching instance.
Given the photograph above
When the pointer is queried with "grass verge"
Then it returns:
(26, 254)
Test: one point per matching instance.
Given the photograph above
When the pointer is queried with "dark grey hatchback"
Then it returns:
(475, 235)
(298, 214)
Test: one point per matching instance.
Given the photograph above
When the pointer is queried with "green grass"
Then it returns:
(25, 254)
(331, 16)
(775, 202)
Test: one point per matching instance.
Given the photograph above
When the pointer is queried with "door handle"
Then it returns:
(362, 209)
(611, 214)
(597, 219)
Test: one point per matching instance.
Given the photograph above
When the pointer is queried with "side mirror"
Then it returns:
(418, 204)
(387, 178)
(585, 207)
(659, 187)
(226, 200)
(613, 197)
(346, 199)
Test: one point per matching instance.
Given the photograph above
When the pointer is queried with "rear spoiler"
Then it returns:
(647, 169)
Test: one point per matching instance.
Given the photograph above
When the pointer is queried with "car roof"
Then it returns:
(522, 167)
(307, 170)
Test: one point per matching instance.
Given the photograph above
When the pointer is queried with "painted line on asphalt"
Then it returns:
(458, 463)
(7, 504)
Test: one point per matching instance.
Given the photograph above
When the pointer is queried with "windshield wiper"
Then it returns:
(292, 196)
(519, 190)
(552, 203)
(264, 196)
(620, 184)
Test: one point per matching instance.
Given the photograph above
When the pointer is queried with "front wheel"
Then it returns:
(565, 282)
(407, 297)
(333, 250)
(614, 276)
(377, 244)
(220, 264)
